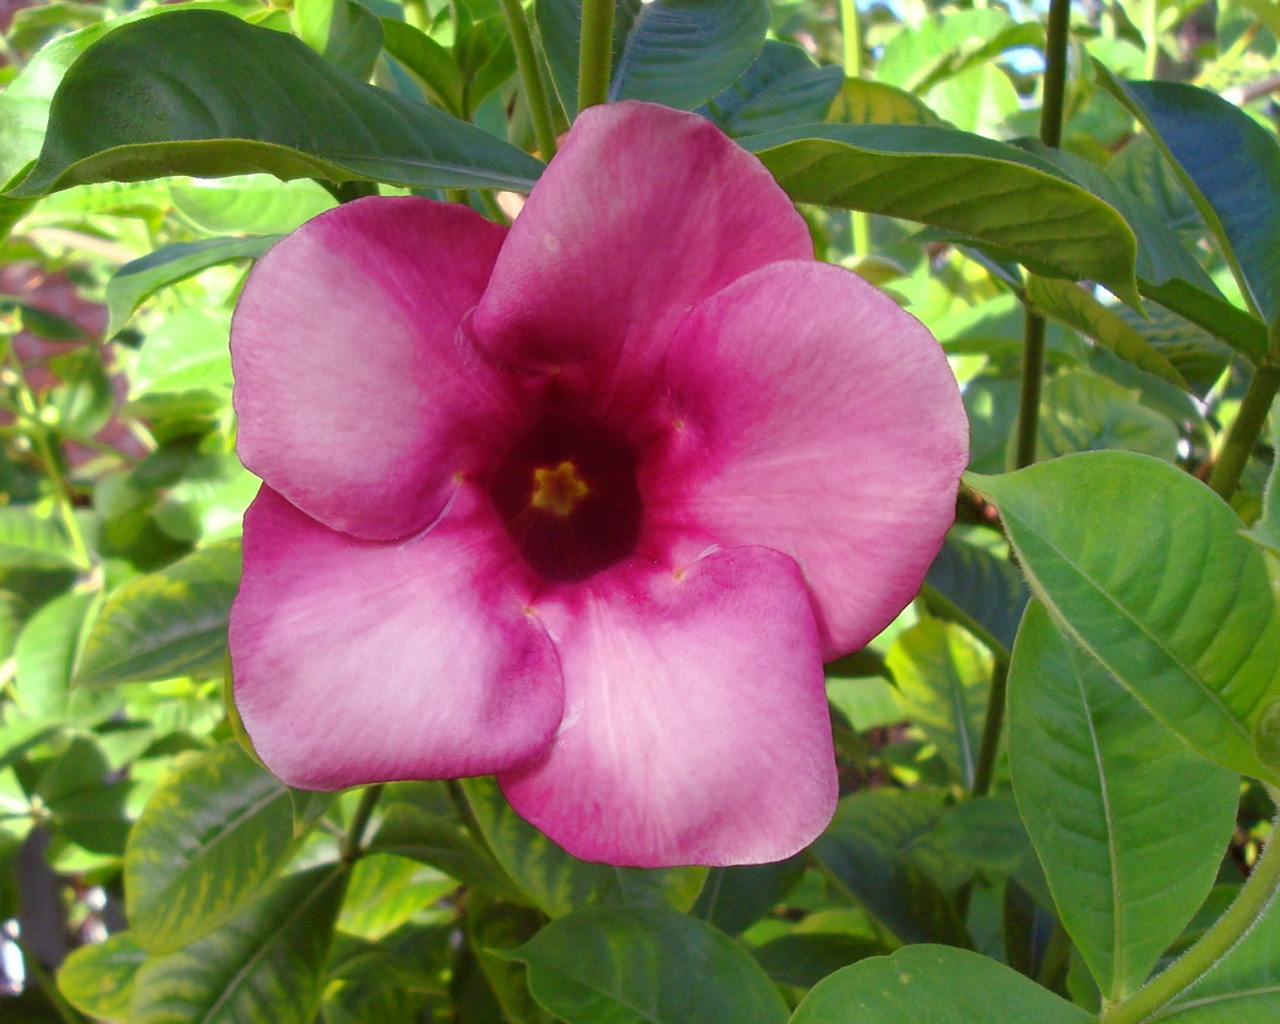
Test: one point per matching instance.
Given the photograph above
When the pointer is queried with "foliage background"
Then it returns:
(150, 871)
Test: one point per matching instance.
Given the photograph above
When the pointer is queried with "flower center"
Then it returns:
(558, 490)
(567, 494)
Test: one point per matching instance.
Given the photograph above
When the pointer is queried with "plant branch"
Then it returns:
(859, 220)
(535, 93)
(1256, 897)
(1240, 442)
(352, 844)
(595, 53)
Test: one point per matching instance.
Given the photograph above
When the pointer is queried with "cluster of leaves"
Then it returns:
(148, 154)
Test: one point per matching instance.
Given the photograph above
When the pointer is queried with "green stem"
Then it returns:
(44, 449)
(1055, 88)
(535, 93)
(1151, 37)
(1240, 442)
(1029, 392)
(1255, 899)
(595, 53)
(352, 844)
(859, 220)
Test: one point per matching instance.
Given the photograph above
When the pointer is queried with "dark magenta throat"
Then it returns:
(567, 493)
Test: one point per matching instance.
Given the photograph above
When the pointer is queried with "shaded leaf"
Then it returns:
(202, 93)
(783, 87)
(933, 983)
(646, 964)
(947, 178)
(98, 978)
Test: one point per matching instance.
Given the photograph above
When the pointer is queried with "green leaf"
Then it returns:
(85, 807)
(943, 676)
(1229, 165)
(347, 33)
(187, 351)
(679, 53)
(862, 101)
(646, 964)
(783, 87)
(411, 832)
(249, 204)
(167, 623)
(141, 278)
(24, 104)
(202, 93)
(938, 48)
(734, 898)
(1082, 411)
(946, 178)
(1077, 308)
(211, 837)
(559, 883)
(45, 656)
(385, 891)
(1244, 985)
(1145, 567)
(933, 983)
(98, 979)
(268, 963)
(429, 62)
(1129, 822)
(803, 959)
(983, 585)
(865, 851)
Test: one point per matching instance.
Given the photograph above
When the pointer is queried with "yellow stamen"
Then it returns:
(558, 490)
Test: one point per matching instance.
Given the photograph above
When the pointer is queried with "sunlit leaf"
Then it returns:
(1129, 822)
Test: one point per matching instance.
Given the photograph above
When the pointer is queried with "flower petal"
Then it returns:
(644, 212)
(821, 420)
(696, 729)
(357, 661)
(358, 401)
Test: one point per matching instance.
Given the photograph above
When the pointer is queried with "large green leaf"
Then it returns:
(1129, 822)
(168, 623)
(948, 179)
(208, 841)
(138, 279)
(266, 964)
(98, 978)
(1230, 165)
(203, 93)
(429, 62)
(24, 104)
(45, 656)
(935, 984)
(1145, 567)
(679, 53)
(868, 851)
(648, 965)
(943, 675)
(559, 883)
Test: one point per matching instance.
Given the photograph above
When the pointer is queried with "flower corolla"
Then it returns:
(584, 503)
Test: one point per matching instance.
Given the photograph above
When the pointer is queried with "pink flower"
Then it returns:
(584, 503)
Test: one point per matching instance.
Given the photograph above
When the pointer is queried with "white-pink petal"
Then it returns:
(358, 661)
(821, 420)
(357, 398)
(696, 728)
